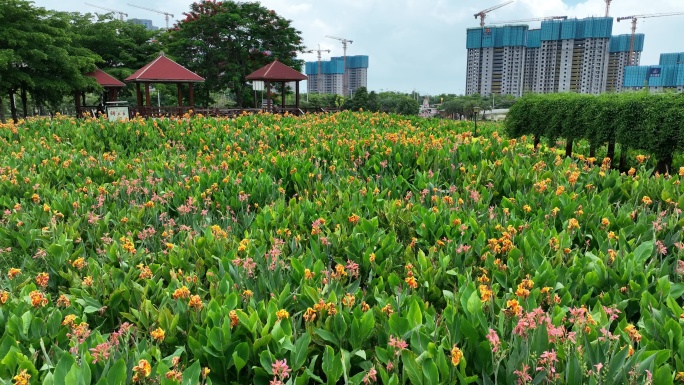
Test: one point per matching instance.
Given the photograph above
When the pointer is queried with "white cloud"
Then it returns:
(418, 44)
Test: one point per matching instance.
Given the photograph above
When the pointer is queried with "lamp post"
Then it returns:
(476, 110)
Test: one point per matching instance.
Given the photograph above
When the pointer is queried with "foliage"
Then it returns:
(226, 41)
(347, 247)
(645, 122)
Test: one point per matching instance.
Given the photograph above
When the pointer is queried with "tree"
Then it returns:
(38, 56)
(226, 41)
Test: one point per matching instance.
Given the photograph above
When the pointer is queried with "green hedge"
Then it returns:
(640, 121)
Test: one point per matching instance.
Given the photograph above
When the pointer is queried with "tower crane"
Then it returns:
(535, 19)
(318, 74)
(634, 18)
(344, 48)
(483, 14)
(166, 14)
(608, 7)
(121, 14)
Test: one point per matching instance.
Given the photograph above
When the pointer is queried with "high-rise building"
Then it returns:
(496, 60)
(573, 56)
(332, 75)
(564, 55)
(145, 22)
(619, 59)
(667, 76)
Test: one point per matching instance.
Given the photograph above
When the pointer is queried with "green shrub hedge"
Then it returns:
(652, 123)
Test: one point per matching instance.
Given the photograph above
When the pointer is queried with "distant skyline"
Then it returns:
(416, 45)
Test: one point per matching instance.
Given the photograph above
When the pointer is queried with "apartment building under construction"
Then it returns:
(619, 59)
(331, 77)
(574, 55)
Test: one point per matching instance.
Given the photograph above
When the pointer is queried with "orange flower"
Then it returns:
(641, 158)
(69, 320)
(411, 281)
(234, 320)
(387, 309)
(456, 355)
(310, 315)
(513, 307)
(364, 306)
(573, 224)
(158, 334)
(4, 297)
(247, 294)
(42, 280)
(681, 171)
(88, 281)
(308, 274)
(79, 263)
(145, 272)
(195, 302)
(348, 300)
(142, 370)
(13, 273)
(646, 200)
(633, 333)
(182, 292)
(63, 301)
(485, 293)
(354, 219)
(38, 299)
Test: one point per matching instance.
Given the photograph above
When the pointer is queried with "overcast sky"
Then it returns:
(419, 44)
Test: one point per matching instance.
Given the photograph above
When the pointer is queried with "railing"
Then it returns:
(152, 112)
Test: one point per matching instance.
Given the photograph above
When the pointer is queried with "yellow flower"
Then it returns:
(69, 320)
(88, 281)
(646, 200)
(22, 378)
(681, 171)
(641, 158)
(158, 334)
(4, 297)
(234, 320)
(310, 315)
(247, 294)
(411, 281)
(573, 224)
(527, 208)
(308, 274)
(143, 369)
(633, 333)
(42, 279)
(282, 314)
(79, 263)
(456, 355)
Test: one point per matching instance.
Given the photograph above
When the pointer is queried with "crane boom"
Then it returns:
(483, 14)
(634, 18)
(344, 48)
(318, 74)
(535, 19)
(166, 14)
(121, 14)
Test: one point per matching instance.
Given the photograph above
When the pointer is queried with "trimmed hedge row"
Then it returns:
(653, 123)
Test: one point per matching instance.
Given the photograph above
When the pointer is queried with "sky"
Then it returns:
(419, 45)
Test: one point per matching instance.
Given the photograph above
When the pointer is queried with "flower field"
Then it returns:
(349, 248)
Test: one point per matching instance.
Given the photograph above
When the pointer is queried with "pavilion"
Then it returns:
(111, 86)
(277, 72)
(164, 70)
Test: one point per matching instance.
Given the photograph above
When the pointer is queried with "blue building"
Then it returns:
(330, 80)
(668, 75)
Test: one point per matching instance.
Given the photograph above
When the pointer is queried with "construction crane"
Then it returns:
(344, 48)
(121, 14)
(166, 14)
(634, 18)
(608, 7)
(483, 14)
(535, 19)
(318, 74)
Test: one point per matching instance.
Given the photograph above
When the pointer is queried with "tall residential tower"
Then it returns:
(332, 75)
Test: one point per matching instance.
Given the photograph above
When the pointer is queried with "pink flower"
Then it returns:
(493, 340)
(280, 369)
(680, 267)
(523, 376)
(398, 344)
(370, 376)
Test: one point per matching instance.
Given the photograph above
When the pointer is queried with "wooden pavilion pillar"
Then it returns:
(283, 95)
(139, 94)
(148, 102)
(180, 94)
(112, 94)
(192, 98)
(268, 96)
(297, 94)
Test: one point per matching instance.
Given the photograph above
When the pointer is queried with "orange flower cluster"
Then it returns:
(633, 333)
(282, 314)
(38, 299)
(348, 300)
(13, 273)
(524, 287)
(182, 292)
(4, 297)
(410, 279)
(42, 279)
(142, 370)
(195, 302)
(456, 355)
(158, 334)
(354, 219)
(504, 244)
(145, 272)
(234, 320)
(513, 308)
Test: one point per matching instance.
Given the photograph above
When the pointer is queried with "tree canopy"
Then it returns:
(226, 41)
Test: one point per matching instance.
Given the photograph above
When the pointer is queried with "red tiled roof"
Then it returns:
(105, 80)
(163, 69)
(276, 71)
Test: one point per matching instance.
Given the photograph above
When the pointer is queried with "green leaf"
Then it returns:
(332, 365)
(414, 316)
(430, 371)
(191, 375)
(299, 354)
(63, 367)
(241, 356)
(663, 376)
(327, 336)
(117, 373)
(266, 359)
(411, 367)
(644, 252)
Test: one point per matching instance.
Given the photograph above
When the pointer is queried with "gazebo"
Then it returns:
(111, 85)
(163, 70)
(277, 72)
